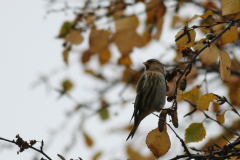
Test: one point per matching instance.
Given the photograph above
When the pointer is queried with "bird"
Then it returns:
(151, 93)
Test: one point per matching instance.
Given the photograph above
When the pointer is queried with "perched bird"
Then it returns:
(151, 92)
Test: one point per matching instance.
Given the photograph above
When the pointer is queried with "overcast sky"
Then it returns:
(28, 50)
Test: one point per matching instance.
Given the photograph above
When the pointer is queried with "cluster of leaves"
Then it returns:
(220, 24)
(193, 57)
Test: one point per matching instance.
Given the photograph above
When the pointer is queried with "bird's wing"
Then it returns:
(141, 83)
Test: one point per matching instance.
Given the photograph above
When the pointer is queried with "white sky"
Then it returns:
(28, 48)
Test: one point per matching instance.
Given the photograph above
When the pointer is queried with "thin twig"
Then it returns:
(40, 151)
(183, 143)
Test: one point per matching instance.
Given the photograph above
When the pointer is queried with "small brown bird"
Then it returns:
(151, 92)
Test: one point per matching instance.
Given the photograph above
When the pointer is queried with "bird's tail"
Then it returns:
(131, 134)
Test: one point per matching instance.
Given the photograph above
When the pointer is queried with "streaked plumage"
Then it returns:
(151, 93)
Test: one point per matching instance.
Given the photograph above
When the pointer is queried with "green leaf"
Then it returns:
(67, 85)
(64, 29)
(104, 114)
(195, 133)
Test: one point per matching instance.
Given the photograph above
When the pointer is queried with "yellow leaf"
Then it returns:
(65, 55)
(98, 40)
(204, 16)
(230, 7)
(195, 133)
(125, 60)
(230, 35)
(130, 22)
(209, 55)
(192, 93)
(224, 66)
(182, 43)
(74, 37)
(158, 142)
(220, 117)
(88, 140)
(97, 155)
(104, 56)
(199, 45)
(204, 101)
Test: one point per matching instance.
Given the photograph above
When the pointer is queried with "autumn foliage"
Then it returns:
(206, 53)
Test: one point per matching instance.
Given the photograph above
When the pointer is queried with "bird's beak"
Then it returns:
(145, 63)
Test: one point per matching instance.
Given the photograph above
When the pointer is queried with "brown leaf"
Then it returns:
(216, 107)
(178, 21)
(86, 56)
(88, 140)
(126, 40)
(129, 22)
(230, 7)
(74, 37)
(220, 117)
(155, 9)
(125, 60)
(182, 43)
(204, 101)
(98, 40)
(130, 76)
(146, 36)
(91, 72)
(171, 87)
(65, 56)
(229, 36)
(159, 28)
(209, 4)
(238, 96)
(116, 8)
(104, 56)
(158, 142)
(135, 155)
(233, 86)
(224, 66)
(235, 66)
(129, 127)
